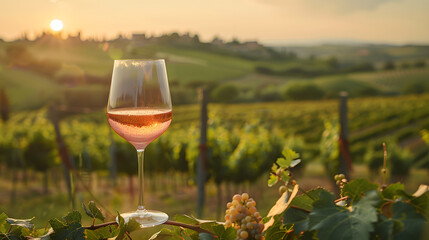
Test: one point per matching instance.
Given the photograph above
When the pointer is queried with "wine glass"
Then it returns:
(139, 110)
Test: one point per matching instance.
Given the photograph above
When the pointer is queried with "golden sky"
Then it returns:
(293, 21)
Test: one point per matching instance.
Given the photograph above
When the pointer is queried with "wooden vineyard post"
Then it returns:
(345, 159)
(201, 164)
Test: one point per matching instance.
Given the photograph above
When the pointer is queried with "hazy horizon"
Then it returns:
(289, 21)
(270, 42)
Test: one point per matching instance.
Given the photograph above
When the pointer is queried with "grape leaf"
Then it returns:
(73, 216)
(11, 237)
(298, 218)
(421, 204)
(95, 211)
(207, 236)
(105, 232)
(366, 206)
(421, 200)
(358, 187)
(18, 232)
(92, 235)
(26, 223)
(274, 168)
(285, 176)
(186, 219)
(333, 222)
(405, 223)
(284, 163)
(308, 235)
(392, 190)
(306, 200)
(404, 195)
(128, 227)
(132, 225)
(272, 180)
(87, 211)
(74, 231)
(121, 225)
(289, 155)
(384, 228)
(57, 225)
(219, 230)
(70, 229)
(165, 233)
(45, 235)
(277, 230)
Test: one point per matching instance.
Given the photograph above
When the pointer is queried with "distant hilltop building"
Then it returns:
(138, 37)
(74, 38)
(252, 45)
(217, 41)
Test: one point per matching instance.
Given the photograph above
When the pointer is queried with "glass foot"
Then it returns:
(146, 218)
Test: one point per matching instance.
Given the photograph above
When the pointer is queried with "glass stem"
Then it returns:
(140, 155)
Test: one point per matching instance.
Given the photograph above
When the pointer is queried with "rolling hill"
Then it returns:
(191, 65)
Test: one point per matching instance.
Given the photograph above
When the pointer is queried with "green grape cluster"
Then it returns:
(242, 214)
(340, 179)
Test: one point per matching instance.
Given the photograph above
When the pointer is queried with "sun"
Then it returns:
(56, 25)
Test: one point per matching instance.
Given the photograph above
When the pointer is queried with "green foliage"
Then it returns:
(391, 191)
(15, 228)
(371, 216)
(329, 147)
(269, 94)
(126, 157)
(303, 91)
(399, 160)
(68, 228)
(389, 65)
(207, 230)
(365, 211)
(425, 135)
(280, 170)
(277, 230)
(357, 188)
(41, 152)
(420, 64)
(333, 222)
(415, 88)
(93, 211)
(405, 223)
(25, 223)
(224, 93)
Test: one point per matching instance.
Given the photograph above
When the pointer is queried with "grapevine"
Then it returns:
(364, 210)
